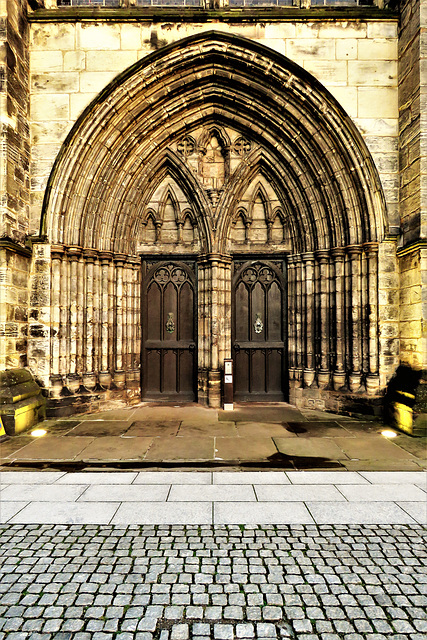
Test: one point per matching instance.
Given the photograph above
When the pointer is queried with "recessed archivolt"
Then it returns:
(323, 175)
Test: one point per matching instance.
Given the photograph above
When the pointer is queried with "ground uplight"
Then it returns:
(38, 433)
(388, 433)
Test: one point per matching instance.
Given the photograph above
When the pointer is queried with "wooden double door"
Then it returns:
(169, 337)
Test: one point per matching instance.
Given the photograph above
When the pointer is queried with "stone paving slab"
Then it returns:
(212, 493)
(244, 448)
(66, 513)
(381, 492)
(115, 448)
(53, 448)
(298, 493)
(358, 513)
(155, 513)
(125, 493)
(311, 447)
(186, 448)
(250, 477)
(265, 512)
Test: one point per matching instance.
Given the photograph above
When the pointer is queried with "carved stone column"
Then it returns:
(354, 253)
(339, 375)
(56, 378)
(119, 372)
(299, 364)
(308, 280)
(291, 273)
(76, 327)
(372, 380)
(214, 281)
(89, 373)
(324, 373)
(106, 343)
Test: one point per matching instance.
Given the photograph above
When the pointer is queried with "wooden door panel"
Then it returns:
(169, 332)
(258, 332)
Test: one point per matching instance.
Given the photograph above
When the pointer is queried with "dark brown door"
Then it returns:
(169, 332)
(258, 333)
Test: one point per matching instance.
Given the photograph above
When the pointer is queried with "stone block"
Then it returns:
(49, 132)
(386, 162)
(54, 82)
(98, 36)
(382, 29)
(347, 97)
(95, 81)
(411, 329)
(130, 37)
(328, 72)
(48, 107)
(372, 73)
(342, 29)
(346, 49)
(46, 61)
(112, 60)
(377, 49)
(78, 102)
(74, 60)
(274, 31)
(304, 48)
(410, 312)
(384, 126)
(52, 36)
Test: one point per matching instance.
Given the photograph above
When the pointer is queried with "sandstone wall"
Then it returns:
(71, 62)
(14, 181)
(413, 181)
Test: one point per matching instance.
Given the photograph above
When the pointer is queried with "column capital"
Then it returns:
(354, 249)
(120, 258)
(338, 253)
(57, 251)
(74, 252)
(90, 255)
(105, 256)
(322, 255)
(308, 256)
(371, 247)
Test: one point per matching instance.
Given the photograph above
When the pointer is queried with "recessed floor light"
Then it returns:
(38, 433)
(388, 433)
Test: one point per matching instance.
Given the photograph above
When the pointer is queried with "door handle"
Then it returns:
(192, 347)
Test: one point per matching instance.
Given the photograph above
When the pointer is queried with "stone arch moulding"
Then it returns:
(290, 131)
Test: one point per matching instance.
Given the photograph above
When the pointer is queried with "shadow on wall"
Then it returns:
(400, 398)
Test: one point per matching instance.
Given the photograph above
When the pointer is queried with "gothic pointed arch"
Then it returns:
(329, 180)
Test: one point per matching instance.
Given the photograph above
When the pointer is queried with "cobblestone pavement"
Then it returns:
(304, 582)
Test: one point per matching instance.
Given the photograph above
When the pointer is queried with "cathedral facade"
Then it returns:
(187, 184)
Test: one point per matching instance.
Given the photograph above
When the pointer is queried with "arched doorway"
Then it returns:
(247, 158)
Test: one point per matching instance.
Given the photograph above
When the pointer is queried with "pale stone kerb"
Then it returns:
(140, 96)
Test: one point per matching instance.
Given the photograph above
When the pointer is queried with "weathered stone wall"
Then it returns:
(14, 181)
(71, 62)
(14, 271)
(413, 181)
(411, 308)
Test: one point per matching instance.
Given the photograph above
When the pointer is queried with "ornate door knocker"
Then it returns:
(170, 324)
(258, 326)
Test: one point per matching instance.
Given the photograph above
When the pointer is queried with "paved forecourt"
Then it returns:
(214, 497)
